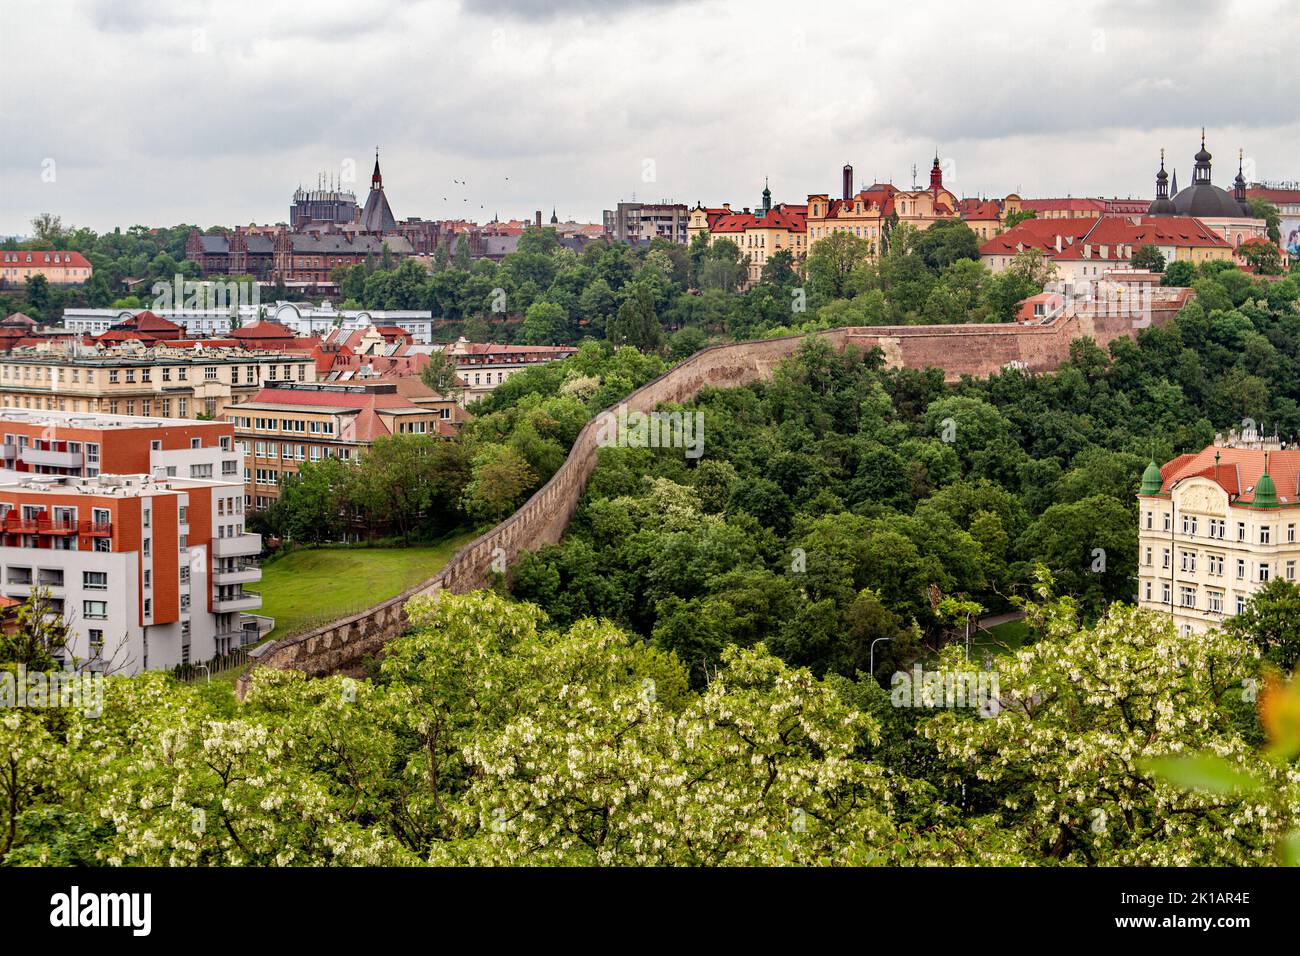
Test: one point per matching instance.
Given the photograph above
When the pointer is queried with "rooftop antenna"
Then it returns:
(914, 175)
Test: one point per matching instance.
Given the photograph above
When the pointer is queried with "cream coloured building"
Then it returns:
(760, 234)
(1214, 528)
(131, 380)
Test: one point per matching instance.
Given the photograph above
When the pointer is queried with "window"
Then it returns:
(1165, 592)
(201, 471)
(1214, 601)
(1241, 604)
(1264, 570)
(1241, 569)
(1166, 558)
(1290, 570)
(1290, 534)
(1216, 564)
(1187, 597)
(148, 607)
(1241, 531)
(1189, 560)
(1265, 534)
(94, 610)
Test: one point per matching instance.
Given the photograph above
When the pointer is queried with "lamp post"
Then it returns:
(872, 665)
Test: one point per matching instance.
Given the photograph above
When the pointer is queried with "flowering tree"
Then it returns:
(1083, 713)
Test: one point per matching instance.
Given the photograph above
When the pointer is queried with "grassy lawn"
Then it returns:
(314, 586)
(1012, 634)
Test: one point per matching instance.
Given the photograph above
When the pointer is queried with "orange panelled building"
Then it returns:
(134, 530)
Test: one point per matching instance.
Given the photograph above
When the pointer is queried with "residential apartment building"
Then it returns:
(86, 445)
(170, 382)
(1215, 527)
(482, 366)
(642, 221)
(288, 423)
(59, 266)
(301, 318)
(147, 572)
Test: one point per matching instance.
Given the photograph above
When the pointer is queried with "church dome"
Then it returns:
(1205, 199)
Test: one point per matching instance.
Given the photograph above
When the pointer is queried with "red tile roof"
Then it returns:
(979, 209)
(264, 329)
(42, 258)
(1274, 195)
(1237, 472)
(1037, 234)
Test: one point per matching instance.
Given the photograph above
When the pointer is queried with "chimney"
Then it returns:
(848, 180)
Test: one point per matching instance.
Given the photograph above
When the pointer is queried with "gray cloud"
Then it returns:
(213, 112)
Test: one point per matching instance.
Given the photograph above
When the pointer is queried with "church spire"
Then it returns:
(936, 173)
(376, 180)
(1239, 184)
(1162, 206)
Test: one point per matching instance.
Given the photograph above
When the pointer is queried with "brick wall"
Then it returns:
(977, 350)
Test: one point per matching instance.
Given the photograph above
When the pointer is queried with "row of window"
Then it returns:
(1217, 528)
(292, 425)
(1187, 598)
(1214, 563)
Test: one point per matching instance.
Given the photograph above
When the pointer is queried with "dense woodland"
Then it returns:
(840, 502)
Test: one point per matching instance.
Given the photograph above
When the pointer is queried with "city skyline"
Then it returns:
(513, 108)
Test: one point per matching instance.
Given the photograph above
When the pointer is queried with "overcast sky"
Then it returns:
(126, 111)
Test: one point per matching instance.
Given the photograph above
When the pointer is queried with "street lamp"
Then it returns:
(872, 665)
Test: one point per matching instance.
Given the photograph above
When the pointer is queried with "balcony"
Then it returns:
(239, 546)
(97, 529)
(248, 633)
(245, 575)
(17, 524)
(239, 601)
(56, 525)
(51, 459)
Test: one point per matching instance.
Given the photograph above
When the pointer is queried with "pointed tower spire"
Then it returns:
(1162, 206)
(376, 180)
(1239, 184)
(936, 173)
